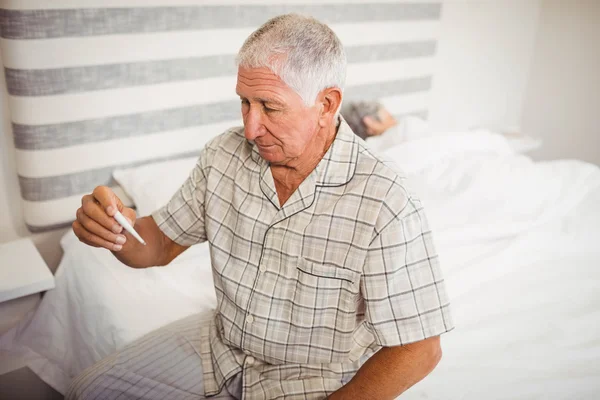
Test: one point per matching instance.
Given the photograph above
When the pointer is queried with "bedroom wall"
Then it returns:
(484, 55)
(563, 94)
(483, 61)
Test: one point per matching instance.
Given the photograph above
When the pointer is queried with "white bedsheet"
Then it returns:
(527, 311)
(519, 246)
(100, 305)
(519, 243)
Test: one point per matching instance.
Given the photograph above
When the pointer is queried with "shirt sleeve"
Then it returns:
(182, 218)
(402, 285)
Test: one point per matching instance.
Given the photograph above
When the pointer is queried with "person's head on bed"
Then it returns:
(291, 74)
(367, 118)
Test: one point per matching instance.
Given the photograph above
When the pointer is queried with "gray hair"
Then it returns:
(305, 53)
(355, 112)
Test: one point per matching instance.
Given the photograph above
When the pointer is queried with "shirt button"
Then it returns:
(249, 319)
(249, 360)
(262, 268)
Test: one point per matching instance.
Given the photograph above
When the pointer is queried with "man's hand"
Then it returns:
(95, 225)
(391, 371)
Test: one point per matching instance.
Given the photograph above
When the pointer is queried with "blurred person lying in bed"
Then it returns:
(372, 122)
(325, 272)
(367, 118)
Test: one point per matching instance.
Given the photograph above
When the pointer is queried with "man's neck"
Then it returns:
(288, 177)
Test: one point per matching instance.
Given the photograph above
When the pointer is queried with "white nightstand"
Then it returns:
(22, 270)
(23, 275)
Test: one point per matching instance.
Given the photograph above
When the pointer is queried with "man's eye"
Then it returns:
(269, 109)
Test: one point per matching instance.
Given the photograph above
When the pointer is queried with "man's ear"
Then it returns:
(329, 99)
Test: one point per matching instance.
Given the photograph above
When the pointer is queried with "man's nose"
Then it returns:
(253, 126)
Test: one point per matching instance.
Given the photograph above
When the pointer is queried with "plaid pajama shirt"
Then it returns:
(308, 290)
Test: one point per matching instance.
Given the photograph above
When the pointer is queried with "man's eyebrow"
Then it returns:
(270, 101)
(264, 100)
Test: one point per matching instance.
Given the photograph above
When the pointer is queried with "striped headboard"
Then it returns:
(97, 84)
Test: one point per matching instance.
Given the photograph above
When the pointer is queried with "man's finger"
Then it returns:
(90, 239)
(94, 210)
(78, 230)
(107, 199)
(94, 227)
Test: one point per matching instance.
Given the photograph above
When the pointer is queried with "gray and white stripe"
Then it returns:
(86, 81)
(43, 82)
(44, 23)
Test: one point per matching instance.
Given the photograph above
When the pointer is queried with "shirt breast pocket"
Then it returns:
(325, 292)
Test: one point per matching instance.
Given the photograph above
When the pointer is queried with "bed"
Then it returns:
(518, 241)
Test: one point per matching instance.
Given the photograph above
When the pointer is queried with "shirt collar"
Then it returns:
(337, 166)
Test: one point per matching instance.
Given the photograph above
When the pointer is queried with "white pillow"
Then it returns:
(151, 186)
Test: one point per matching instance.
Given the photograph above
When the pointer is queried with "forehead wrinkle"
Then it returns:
(269, 96)
(250, 76)
(253, 82)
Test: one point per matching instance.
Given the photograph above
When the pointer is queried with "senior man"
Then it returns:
(327, 281)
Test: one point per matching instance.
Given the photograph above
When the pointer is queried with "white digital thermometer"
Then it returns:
(127, 226)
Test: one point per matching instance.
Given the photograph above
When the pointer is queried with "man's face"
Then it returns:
(275, 118)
